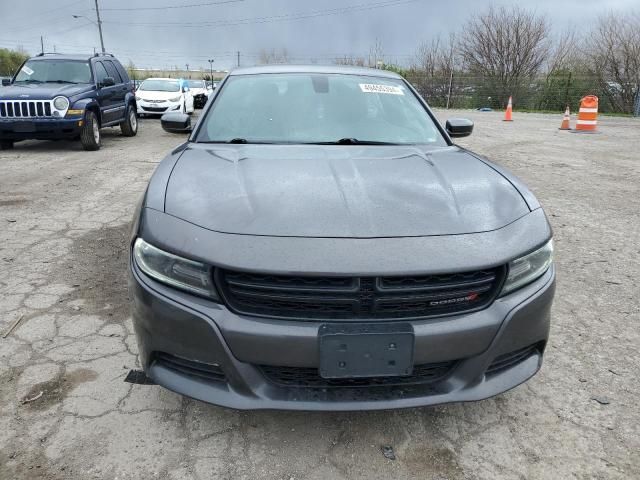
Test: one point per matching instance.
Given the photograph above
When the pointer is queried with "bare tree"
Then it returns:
(505, 46)
(613, 48)
(376, 54)
(273, 56)
(433, 68)
(350, 60)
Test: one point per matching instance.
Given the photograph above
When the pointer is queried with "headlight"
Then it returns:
(528, 268)
(175, 271)
(177, 99)
(61, 103)
(138, 98)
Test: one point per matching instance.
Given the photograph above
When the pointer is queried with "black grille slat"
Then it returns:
(344, 298)
(310, 378)
(190, 367)
(508, 360)
(25, 109)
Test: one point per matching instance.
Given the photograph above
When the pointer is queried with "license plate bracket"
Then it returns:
(366, 350)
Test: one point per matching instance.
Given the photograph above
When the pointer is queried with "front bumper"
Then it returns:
(189, 328)
(40, 128)
(150, 108)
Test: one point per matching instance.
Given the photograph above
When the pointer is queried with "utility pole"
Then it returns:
(450, 84)
(41, 44)
(238, 58)
(99, 26)
(211, 69)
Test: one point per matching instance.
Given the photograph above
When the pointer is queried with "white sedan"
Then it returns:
(156, 96)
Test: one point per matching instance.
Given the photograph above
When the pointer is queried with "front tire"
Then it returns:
(90, 135)
(6, 144)
(129, 126)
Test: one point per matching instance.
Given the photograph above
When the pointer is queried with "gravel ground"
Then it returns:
(63, 223)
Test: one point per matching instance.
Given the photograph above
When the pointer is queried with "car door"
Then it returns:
(120, 90)
(106, 94)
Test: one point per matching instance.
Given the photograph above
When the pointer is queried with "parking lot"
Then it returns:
(64, 217)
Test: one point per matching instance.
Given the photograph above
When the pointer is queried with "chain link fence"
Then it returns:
(541, 93)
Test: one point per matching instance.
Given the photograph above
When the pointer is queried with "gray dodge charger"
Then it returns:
(320, 243)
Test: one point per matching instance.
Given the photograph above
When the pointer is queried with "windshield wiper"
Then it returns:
(353, 141)
(28, 80)
(60, 81)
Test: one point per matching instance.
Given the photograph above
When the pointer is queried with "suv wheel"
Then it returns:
(90, 135)
(129, 126)
(6, 145)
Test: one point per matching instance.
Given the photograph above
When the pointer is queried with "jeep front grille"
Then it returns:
(25, 108)
(358, 298)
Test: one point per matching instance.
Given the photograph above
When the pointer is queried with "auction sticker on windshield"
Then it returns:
(375, 88)
(27, 70)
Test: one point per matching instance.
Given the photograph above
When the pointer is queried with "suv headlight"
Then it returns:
(61, 103)
(178, 272)
(526, 269)
(177, 99)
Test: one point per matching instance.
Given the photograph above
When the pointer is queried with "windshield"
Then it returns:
(195, 83)
(317, 108)
(160, 86)
(54, 71)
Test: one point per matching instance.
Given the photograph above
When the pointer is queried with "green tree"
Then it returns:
(10, 60)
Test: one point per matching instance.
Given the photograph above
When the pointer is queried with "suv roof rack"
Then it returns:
(42, 54)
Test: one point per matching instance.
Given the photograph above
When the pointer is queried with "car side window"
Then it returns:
(122, 72)
(101, 73)
(112, 71)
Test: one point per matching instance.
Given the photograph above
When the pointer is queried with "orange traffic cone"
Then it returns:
(507, 114)
(566, 120)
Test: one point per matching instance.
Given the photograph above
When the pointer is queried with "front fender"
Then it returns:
(130, 98)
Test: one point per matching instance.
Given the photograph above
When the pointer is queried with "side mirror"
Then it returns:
(176, 122)
(6, 82)
(459, 127)
(108, 82)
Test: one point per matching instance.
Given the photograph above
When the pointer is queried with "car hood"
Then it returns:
(42, 91)
(154, 95)
(339, 191)
(198, 91)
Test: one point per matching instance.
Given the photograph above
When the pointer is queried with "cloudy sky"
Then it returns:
(169, 33)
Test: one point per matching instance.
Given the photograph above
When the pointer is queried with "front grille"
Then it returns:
(154, 109)
(192, 368)
(310, 378)
(357, 298)
(508, 360)
(25, 108)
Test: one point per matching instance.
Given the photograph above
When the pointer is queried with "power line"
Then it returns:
(171, 6)
(273, 18)
(30, 17)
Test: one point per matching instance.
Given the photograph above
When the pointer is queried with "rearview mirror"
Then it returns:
(459, 127)
(176, 122)
(108, 82)
(6, 82)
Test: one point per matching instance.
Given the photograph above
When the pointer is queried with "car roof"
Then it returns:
(64, 56)
(319, 69)
(163, 78)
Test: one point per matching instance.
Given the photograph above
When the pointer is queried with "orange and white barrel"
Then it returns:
(588, 114)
